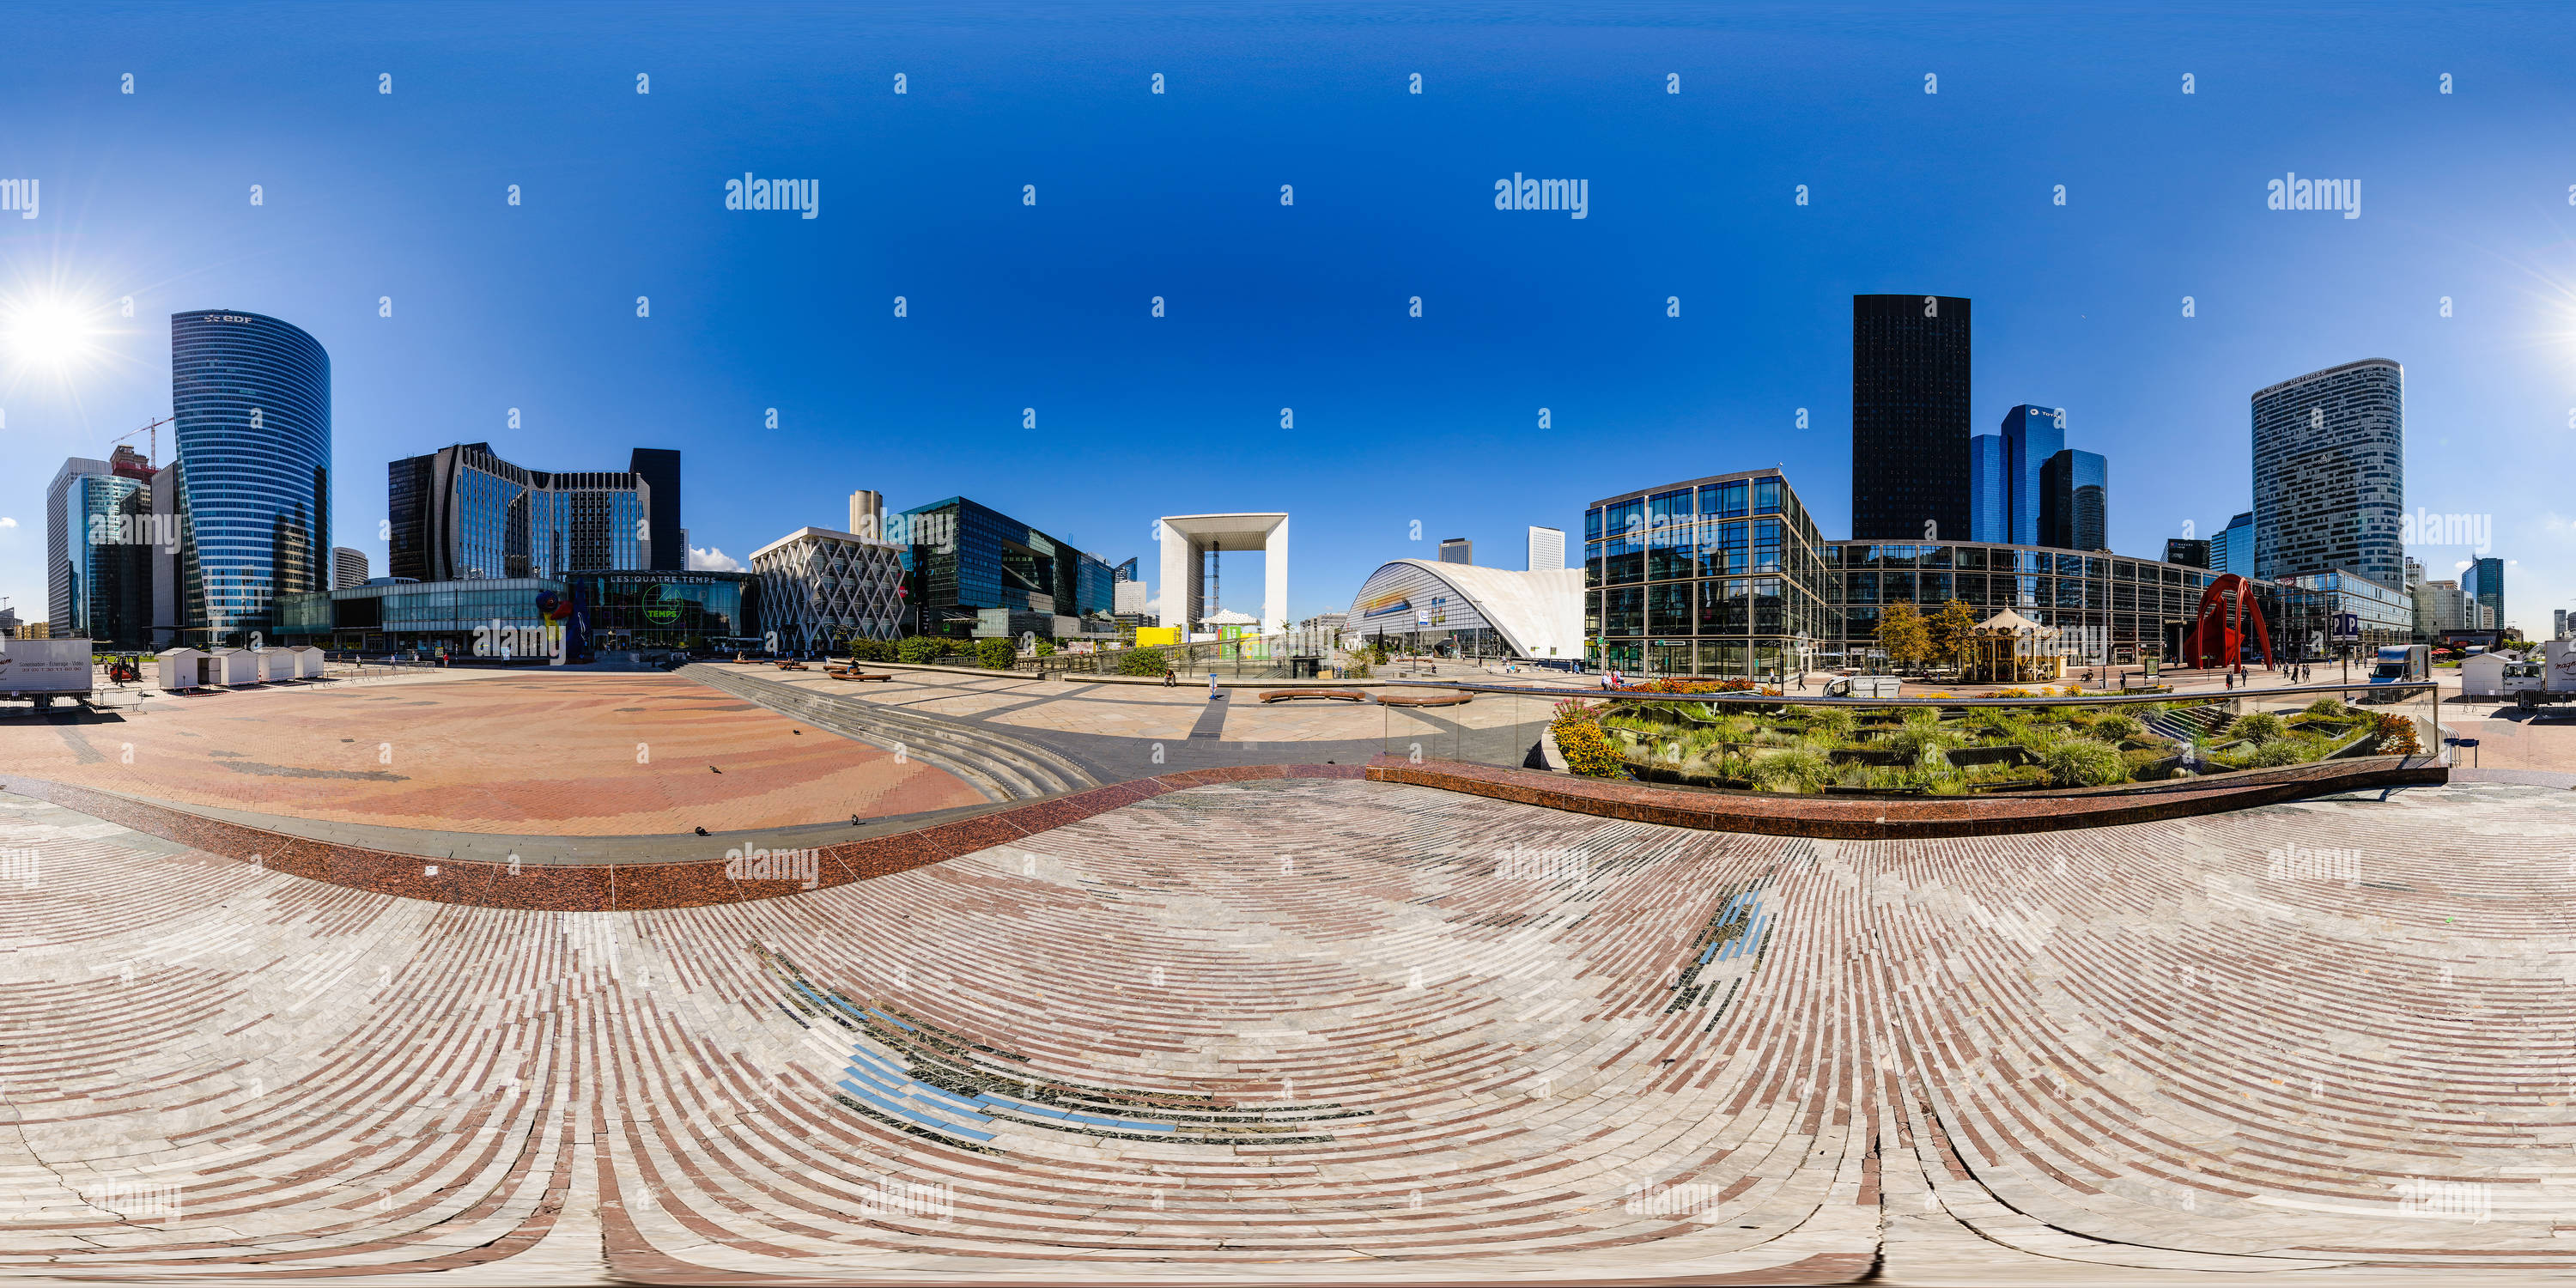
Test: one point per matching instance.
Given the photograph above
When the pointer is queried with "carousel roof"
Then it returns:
(2009, 622)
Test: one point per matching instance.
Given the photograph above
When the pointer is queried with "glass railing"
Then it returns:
(1939, 745)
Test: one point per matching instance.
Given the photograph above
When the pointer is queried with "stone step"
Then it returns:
(1003, 767)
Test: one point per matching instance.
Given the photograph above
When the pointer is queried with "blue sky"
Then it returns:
(369, 195)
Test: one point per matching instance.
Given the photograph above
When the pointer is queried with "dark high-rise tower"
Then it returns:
(1909, 418)
(660, 467)
(252, 398)
(2074, 501)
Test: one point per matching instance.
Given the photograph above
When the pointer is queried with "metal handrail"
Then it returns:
(1801, 700)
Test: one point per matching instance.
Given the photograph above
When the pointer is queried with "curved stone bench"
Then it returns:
(1290, 695)
(1424, 699)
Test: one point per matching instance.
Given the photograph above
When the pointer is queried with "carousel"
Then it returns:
(2009, 648)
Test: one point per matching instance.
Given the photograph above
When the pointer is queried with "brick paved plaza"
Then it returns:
(1325, 1031)
(1309, 1030)
(485, 751)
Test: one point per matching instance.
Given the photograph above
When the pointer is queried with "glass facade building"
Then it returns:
(462, 513)
(2330, 473)
(98, 567)
(2383, 614)
(251, 398)
(1989, 490)
(2482, 593)
(1715, 576)
(1910, 391)
(971, 568)
(1725, 576)
(2031, 435)
(414, 617)
(640, 608)
(654, 609)
(2233, 549)
(2074, 501)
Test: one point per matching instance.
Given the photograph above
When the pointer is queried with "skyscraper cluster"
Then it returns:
(1917, 473)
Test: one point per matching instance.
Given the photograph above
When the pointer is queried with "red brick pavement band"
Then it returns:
(606, 887)
(699, 883)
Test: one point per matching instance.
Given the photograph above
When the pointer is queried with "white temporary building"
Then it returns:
(1537, 613)
(234, 665)
(275, 664)
(185, 668)
(2497, 675)
(308, 661)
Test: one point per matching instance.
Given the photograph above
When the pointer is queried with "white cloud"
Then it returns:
(7, 522)
(710, 559)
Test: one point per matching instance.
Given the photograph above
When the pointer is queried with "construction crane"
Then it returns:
(154, 429)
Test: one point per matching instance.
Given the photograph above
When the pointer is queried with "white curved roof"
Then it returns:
(1538, 612)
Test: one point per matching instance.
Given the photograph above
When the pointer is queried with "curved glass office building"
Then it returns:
(252, 399)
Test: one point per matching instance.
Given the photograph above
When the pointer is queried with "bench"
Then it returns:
(1424, 699)
(1290, 695)
(843, 673)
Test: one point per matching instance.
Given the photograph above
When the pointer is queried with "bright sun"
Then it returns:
(44, 332)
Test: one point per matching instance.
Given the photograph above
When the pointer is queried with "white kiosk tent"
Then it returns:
(234, 665)
(275, 664)
(185, 668)
(308, 661)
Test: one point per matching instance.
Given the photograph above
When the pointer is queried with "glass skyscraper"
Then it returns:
(2074, 501)
(251, 396)
(2330, 473)
(1909, 434)
(1989, 490)
(2482, 593)
(2031, 435)
(98, 573)
(2232, 550)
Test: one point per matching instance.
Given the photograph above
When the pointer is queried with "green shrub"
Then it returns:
(1835, 721)
(2282, 751)
(872, 650)
(1142, 661)
(1358, 668)
(995, 654)
(921, 650)
(1795, 770)
(2116, 727)
(2084, 762)
(1046, 648)
(2330, 708)
(2261, 726)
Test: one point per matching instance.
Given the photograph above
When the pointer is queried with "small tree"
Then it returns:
(1902, 633)
(1950, 631)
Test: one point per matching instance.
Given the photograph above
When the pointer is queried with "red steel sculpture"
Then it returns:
(2215, 639)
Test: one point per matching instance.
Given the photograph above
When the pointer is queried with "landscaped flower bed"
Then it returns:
(1956, 752)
